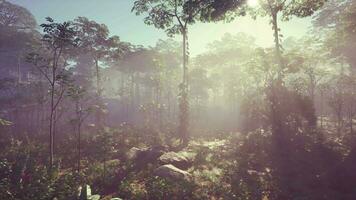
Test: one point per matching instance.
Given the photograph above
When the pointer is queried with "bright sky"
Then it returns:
(116, 14)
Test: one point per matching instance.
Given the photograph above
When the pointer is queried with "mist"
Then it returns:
(177, 99)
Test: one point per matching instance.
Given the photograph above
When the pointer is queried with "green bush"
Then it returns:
(162, 189)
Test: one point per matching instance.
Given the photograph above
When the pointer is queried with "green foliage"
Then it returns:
(59, 35)
(172, 16)
(338, 29)
(133, 190)
(100, 180)
(65, 185)
(24, 178)
(158, 188)
(95, 41)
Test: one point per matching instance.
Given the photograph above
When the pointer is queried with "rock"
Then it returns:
(151, 154)
(134, 152)
(141, 157)
(94, 197)
(116, 198)
(85, 194)
(173, 173)
(179, 160)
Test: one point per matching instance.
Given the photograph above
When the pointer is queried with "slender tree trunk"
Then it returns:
(98, 117)
(351, 122)
(159, 103)
(123, 96)
(169, 103)
(184, 57)
(56, 57)
(277, 43)
(132, 91)
(19, 69)
(339, 117)
(137, 90)
(321, 109)
(54, 129)
(38, 119)
(183, 127)
(51, 139)
(277, 121)
(78, 112)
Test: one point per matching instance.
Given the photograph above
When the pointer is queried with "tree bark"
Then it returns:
(79, 132)
(184, 95)
(98, 95)
(277, 44)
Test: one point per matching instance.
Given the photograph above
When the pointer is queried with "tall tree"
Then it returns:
(57, 38)
(336, 22)
(273, 9)
(79, 96)
(18, 33)
(96, 43)
(12, 15)
(284, 10)
(174, 16)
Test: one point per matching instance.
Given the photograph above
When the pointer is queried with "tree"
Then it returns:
(57, 38)
(238, 71)
(18, 33)
(80, 97)
(286, 9)
(174, 16)
(15, 16)
(96, 43)
(199, 92)
(305, 58)
(167, 71)
(337, 26)
(271, 8)
(135, 62)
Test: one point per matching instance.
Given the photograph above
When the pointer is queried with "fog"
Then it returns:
(177, 99)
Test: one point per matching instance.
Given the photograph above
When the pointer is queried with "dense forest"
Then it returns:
(86, 115)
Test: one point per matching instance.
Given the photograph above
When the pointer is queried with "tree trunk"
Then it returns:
(98, 96)
(132, 92)
(351, 117)
(79, 132)
(277, 44)
(51, 139)
(183, 126)
(137, 90)
(19, 69)
(321, 109)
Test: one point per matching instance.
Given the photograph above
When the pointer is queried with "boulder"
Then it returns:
(177, 159)
(85, 194)
(134, 152)
(140, 157)
(94, 197)
(172, 173)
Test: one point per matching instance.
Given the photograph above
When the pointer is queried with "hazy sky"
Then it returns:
(116, 14)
